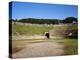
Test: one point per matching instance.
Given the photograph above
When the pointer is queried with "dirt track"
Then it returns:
(23, 37)
(40, 50)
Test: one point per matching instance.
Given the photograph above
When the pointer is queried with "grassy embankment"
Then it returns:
(70, 45)
(29, 30)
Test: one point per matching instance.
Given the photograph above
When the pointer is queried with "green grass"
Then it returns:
(71, 46)
(72, 27)
(29, 30)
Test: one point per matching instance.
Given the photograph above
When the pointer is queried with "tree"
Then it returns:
(70, 19)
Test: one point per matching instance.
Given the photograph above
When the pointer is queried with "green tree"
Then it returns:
(70, 19)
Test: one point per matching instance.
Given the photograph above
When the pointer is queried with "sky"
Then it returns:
(22, 10)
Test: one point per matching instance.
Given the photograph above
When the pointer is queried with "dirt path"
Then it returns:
(24, 37)
(40, 50)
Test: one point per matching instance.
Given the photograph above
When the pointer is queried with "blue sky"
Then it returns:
(46, 11)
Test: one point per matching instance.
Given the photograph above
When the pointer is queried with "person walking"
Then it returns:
(47, 35)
